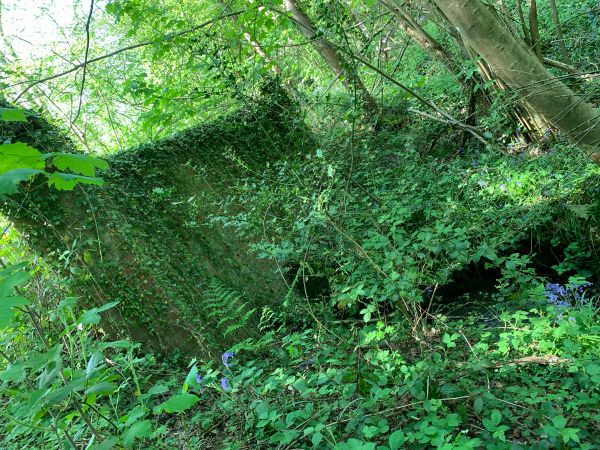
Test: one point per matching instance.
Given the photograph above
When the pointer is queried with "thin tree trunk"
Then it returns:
(559, 34)
(535, 31)
(524, 74)
(411, 27)
(522, 22)
(330, 55)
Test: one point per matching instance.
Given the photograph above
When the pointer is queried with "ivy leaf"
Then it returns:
(138, 430)
(78, 164)
(177, 403)
(13, 115)
(20, 156)
(11, 179)
(67, 181)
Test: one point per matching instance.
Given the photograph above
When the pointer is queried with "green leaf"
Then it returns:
(138, 430)
(177, 403)
(59, 395)
(15, 373)
(13, 115)
(9, 181)
(91, 316)
(7, 313)
(93, 362)
(67, 181)
(570, 434)
(397, 439)
(492, 423)
(134, 415)
(316, 439)
(102, 388)
(12, 277)
(157, 389)
(20, 156)
(559, 422)
(78, 164)
(107, 444)
(191, 378)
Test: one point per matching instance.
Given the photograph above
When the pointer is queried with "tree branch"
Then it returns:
(125, 49)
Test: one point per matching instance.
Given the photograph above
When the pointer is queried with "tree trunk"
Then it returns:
(522, 22)
(329, 53)
(559, 35)
(535, 32)
(411, 27)
(524, 73)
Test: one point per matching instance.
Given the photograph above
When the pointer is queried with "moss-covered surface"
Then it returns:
(144, 240)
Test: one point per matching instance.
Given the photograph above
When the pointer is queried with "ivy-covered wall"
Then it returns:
(144, 239)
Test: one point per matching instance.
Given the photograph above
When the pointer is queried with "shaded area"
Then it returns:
(144, 239)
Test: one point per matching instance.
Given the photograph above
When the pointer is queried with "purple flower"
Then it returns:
(199, 379)
(566, 296)
(226, 357)
(225, 384)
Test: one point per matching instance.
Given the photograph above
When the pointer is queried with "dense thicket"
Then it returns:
(347, 224)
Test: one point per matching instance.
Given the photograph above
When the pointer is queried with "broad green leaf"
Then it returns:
(559, 422)
(138, 430)
(397, 439)
(93, 362)
(136, 413)
(12, 277)
(50, 373)
(67, 181)
(78, 164)
(177, 403)
(191, 378)
(114, 344)
(20, 156)
(104, 387)
(91, 316)
(9, 181)
(157, 389)
(13, 115)
(62, 393)
(15, 373)
(109, 443)
(7, 313)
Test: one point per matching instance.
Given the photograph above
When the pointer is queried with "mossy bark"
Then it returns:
(524, 73)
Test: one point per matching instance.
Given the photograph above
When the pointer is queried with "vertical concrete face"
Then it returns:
(145, 239)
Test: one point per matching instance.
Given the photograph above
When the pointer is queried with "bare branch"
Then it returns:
(125, 49)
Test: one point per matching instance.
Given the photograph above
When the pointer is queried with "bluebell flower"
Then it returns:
(199, 379)
(225, 384)
(226, 357)
(566, 296)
